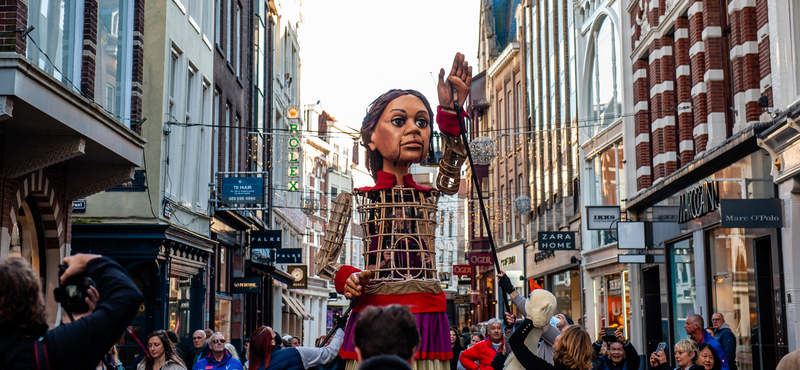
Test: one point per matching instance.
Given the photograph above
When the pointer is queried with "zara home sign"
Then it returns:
(698, 202)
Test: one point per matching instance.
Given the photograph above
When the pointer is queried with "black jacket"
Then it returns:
(631, 361)
(526, 358)
(83, 343)
(388, 362)
(191, 357)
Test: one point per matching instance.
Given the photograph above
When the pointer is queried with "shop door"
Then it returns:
(769, 337)
(656, 323)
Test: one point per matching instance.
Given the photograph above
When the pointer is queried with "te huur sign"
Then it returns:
(247, 285)
(751, 213)
(698, 201)
(556, 240)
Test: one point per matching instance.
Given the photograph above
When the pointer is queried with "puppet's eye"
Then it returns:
(422, 123)
(398, 121)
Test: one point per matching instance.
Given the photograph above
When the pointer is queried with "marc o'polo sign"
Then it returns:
(601, 217)
(247, 285)
(556, 240)
(751, 213)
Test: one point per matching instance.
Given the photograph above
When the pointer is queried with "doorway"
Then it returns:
(769, 337)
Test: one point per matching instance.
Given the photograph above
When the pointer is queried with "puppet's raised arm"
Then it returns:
(328, 254)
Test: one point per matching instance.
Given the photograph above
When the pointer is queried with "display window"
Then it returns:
(222, 317)
(180, 305)
(683, 290)
(566, 287)
(613, 301)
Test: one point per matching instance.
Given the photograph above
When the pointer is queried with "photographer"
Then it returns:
(81, 344)
(620, 356)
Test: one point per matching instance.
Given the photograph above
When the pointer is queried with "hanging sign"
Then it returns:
(631, 235)
(247, 285)
(480, 259)
(462, 270)
(751, 213)
(242, 190)
(289, 255)
(556, 240)
(698, 201)
(300, 275)
(270, 239)
(79, 206)
(601, 217)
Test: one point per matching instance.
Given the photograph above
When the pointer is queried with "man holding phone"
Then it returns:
(621, 355)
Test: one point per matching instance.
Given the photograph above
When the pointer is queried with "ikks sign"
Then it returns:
(601, 217)
(556, 240)
(751, 213)
(698, 201)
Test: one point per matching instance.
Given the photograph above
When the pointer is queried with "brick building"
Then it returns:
(70, 122)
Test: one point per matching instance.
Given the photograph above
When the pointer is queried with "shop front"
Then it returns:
(170, 267)
(512, 262)
(557, 270)
(715, 265)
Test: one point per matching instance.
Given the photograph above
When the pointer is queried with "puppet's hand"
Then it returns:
(355, 282)
(459, 79)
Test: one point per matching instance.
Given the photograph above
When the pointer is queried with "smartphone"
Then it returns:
(661, 346)
(609, 335)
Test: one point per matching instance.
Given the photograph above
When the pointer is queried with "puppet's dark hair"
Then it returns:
(374, 160)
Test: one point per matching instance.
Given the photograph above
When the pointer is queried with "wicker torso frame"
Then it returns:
(399, 225)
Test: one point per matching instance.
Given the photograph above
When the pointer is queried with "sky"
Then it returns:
(351, 51)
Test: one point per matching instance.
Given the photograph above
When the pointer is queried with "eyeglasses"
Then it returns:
(215, 341)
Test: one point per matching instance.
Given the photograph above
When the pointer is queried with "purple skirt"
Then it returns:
(434, 335)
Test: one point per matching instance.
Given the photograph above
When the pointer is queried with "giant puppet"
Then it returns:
(398, 216)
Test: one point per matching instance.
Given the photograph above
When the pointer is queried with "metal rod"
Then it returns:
(480, 195)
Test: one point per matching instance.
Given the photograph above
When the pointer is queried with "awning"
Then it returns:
(297, 307)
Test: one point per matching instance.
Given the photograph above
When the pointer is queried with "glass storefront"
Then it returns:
(566, 286)
(222, 317)
(732, 287)
(179, 305)
(613, 301)
(684, 295)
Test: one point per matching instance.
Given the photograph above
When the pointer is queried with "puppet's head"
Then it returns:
(397, 128)
(541, 305)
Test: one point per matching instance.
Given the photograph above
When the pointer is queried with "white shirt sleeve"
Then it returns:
(313, 356)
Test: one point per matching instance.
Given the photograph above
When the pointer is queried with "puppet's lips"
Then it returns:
(414, 144)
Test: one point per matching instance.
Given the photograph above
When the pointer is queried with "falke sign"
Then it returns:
(601, 217)
(751, 213)
(698, 201)
(480, 259)
(556, 240)
(462, 270)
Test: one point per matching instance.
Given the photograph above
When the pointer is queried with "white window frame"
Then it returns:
(218, 9)
(226, 139)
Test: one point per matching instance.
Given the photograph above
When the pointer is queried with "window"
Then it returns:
(180, 311)
(794, 23)
(114, 60)
(604, 104)
(216, 136)
(238, 42)
(223, 269)
(684, 295)
(606, 179)
(195, 12)
(229, 38)
(226, 139)
(218, 22)
(59, 33)
(173, 80)
(236, 147)
(200, 199)
(189, 95)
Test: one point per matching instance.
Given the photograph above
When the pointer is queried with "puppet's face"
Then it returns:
(402, 133)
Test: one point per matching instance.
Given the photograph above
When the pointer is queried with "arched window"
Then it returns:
(605, 101)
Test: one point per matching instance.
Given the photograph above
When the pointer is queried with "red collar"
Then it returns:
(387, 180)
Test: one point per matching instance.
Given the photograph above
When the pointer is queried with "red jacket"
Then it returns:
(483, 353)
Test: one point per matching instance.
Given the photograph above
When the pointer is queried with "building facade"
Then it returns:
(70, 105)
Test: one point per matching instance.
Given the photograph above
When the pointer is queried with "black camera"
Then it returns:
(71, 295)
(609, 336)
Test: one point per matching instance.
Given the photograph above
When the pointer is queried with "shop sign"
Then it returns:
(557, 240)
(631, 235)
(461, 299)
(79, 206)
(242, 190)
(480, 259)
(289, 255)
(698, 201)
(462, 270)
(294, 154)
(543, 255)
(247, 285)
(751, 213)
(601, 217)
(300, 275)
(632, 258)
(510, 260)
(270, 239)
